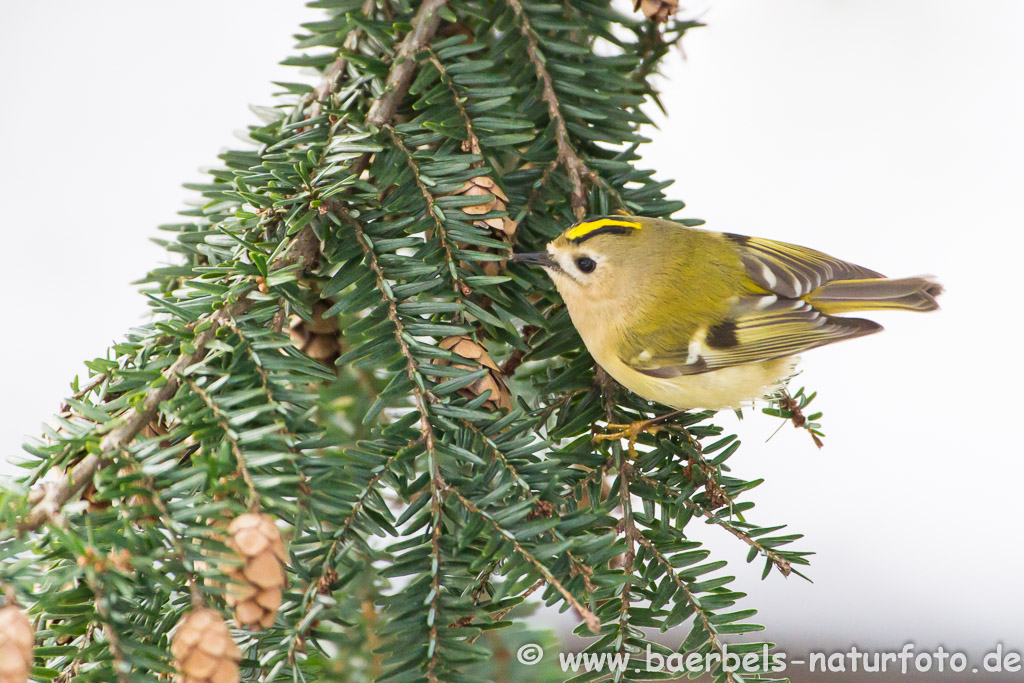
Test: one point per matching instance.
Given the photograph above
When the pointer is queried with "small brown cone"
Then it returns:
(254, 588)
(203, 650)
(493, 380)
(657, 10)
(16, 641)
(502, 227)
(318, 338)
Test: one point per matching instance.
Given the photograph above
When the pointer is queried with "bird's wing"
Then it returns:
(791, 271)
(757, 328)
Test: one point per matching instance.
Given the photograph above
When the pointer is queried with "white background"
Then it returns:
(889, 134)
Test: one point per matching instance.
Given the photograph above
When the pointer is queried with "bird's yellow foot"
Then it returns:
(630, 431)
(633, 430)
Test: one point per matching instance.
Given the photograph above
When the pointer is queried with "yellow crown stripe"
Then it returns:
(583, 229)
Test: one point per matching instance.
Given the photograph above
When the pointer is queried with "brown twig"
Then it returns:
(94, 382)
(424, 25)
(502, 613)
(797, 417)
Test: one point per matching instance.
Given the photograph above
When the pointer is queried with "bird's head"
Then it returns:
(599, 259)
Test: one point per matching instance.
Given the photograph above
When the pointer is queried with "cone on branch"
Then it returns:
(203, 650)
(501, 227)
(467, 348)
(17, 639)
(659, 11)
(254, 587)
(317, 338)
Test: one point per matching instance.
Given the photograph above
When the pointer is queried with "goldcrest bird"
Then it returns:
(698, 319)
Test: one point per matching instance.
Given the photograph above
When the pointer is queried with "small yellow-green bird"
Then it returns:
(698, 319)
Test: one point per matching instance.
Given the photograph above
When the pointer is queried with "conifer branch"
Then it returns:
(591, 619)
(472, 143)
(430, 208)
(332, 76)
(421, 398)
(92, 565)
(169, 524)
(574, 166)
(782, 564)
(113, 640)
(69, 672)
(328, 559)
(380, 114)
(498, 455)
(424, 25)
(48, 498)
(699, 611)
(628, 524)
(236, 448)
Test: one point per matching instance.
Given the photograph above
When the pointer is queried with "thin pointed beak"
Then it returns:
(540, 258)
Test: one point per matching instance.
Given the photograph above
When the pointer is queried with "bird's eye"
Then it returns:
(585, 264)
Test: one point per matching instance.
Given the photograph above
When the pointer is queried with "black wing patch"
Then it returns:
(754, 331)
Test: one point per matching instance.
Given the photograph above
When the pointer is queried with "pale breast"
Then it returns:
(726, 388)
(729, 387)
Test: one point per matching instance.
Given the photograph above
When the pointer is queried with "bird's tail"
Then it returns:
(876, 294)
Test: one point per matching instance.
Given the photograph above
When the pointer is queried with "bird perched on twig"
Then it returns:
(698, 319)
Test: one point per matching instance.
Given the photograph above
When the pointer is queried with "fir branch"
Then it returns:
(264, 377)
(628, 525)
(326, 564)
(421, 398)
(332, 75)
(236, 449)
(431, 210)
(574, 166)
(70, 671)
(472, 143)
(113, 640)
(424, 25)
(169, 524)
(538, 189)
(498, 455)
(593, 623)
(48, 498)
(699, 610)
(782, 564)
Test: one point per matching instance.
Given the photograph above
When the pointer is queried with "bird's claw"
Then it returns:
(630, 431)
